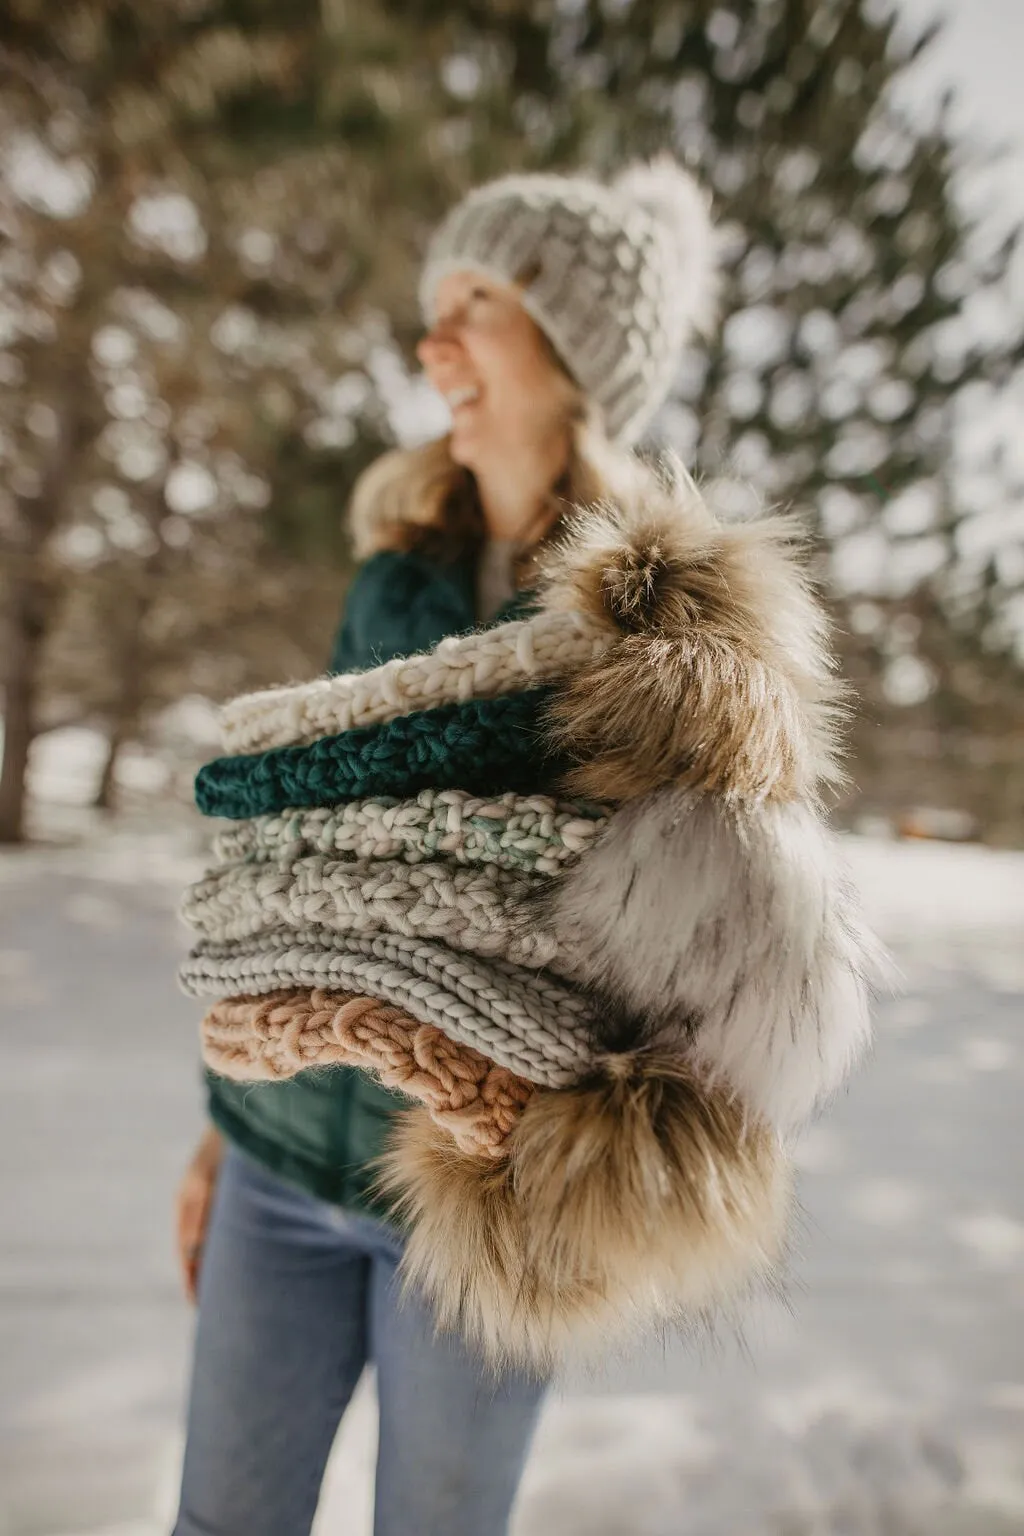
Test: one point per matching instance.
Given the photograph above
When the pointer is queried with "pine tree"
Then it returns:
(156, 327)
(247, 192)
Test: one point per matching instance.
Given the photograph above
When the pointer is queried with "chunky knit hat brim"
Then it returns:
(525, 1020)
(471, 909)
(271, 1039)
(505, 659)
(533, 834)
(485, 746)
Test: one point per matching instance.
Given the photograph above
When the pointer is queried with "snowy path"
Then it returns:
(891, 1399)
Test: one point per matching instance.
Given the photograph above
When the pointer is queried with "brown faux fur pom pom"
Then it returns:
(719, 674)
(634, 1198)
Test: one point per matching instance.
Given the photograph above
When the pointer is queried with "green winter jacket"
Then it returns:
(322, 1129)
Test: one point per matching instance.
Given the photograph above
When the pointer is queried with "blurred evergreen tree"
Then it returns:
(209, 209)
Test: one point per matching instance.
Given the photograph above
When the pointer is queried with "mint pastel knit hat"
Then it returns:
(617, 276)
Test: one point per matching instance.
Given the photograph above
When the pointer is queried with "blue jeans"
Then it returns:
(295, 1296)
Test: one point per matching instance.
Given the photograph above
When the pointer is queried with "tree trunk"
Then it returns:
(129, 658)
(23, 652)
(33, 598)
(121, 732)
(104, 797)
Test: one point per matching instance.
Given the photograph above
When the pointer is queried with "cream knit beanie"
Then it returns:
(615, 276)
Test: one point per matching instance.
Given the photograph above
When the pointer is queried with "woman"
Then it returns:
(557, 309)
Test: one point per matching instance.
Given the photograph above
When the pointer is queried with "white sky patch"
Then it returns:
(978, 54)
(415, 409)
(907, 680)
(152, 317)
(257, 247)
(190, 489)
(345, 396)
(758, 336)
(59, 188)
(235, 329)
(114, 347)
(138, 453)
(170, 222)
(79, 545)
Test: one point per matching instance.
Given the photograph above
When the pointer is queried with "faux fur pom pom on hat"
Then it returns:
(717, 673)
(635, 1198)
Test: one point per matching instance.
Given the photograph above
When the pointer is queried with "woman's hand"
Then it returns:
(192, 1206)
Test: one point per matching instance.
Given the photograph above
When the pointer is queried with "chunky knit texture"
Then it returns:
(485, 746)
(507, 659)
(473, 909)
(521, 1019)
(265, 1039)
(534, 834)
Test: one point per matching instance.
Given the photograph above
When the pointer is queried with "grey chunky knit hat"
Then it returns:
(616, 276)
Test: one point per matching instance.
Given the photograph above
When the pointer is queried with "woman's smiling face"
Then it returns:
(495, 369)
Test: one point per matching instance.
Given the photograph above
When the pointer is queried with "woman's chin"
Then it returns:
(463, 446)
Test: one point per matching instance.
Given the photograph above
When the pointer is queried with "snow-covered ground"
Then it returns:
(889, 1398)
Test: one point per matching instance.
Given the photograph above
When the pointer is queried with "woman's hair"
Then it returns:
(420, 499)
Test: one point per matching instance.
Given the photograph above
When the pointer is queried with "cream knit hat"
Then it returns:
(615, 276)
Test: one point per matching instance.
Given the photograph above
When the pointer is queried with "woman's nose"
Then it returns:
(440, 344)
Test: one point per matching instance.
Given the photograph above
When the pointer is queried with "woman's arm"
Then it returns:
(193, 1205)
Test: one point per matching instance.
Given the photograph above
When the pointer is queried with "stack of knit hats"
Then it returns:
(379, 854)
(380, 843)
(564, 882)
